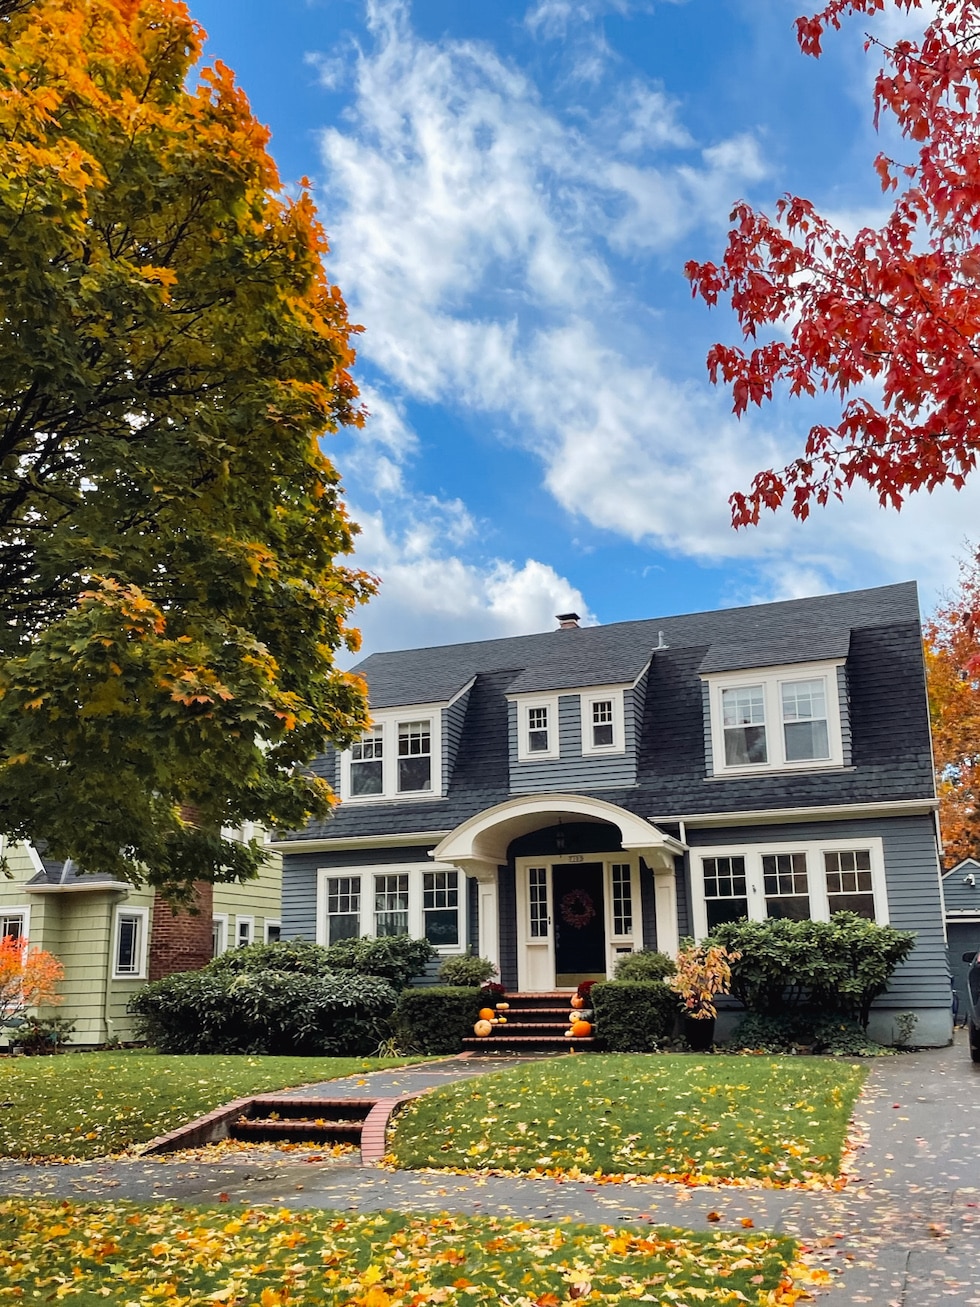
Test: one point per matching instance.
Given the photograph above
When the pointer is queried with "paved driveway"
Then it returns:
(905, 1232)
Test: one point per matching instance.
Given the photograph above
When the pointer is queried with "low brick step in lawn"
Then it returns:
(535, 1021)
(317, 1120)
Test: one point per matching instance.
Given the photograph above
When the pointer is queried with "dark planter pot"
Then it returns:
(699, 1033)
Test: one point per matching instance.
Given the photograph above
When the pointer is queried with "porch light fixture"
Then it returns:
(559, 837)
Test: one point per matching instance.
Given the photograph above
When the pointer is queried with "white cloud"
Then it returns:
(478, 235)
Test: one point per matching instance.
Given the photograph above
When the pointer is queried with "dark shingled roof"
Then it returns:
(64, 874)
(877, 631)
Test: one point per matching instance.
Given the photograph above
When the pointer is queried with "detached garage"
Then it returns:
(961, 893)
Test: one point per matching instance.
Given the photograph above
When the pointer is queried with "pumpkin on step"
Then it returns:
(578, 1000)
(581, 1029)
(486, 1014)
(482, 1028)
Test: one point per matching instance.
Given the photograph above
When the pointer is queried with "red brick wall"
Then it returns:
(181, 942)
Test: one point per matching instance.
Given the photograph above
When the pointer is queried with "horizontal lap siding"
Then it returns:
(507, 925)
(958, 895)
(843, 699)
(912, 878)
(299, 880)
(572, 771)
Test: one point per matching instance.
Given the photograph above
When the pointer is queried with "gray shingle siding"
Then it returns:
(912, 875)
(453, 719)
(959, 896)
(507, 925)
(844, 703)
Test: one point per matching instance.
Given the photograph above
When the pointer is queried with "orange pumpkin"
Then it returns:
(482, 1028)
(578, 1000)
(581, 1029)
(572, 1016)
(486, 1013)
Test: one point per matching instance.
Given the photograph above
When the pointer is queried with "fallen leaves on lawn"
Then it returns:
(766, 1122)
(122, 1254)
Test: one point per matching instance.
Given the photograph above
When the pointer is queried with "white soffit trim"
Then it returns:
(401, 840)
(76, 888)
(832, 812)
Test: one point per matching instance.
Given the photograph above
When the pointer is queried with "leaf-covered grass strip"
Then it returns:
(88, 1104)
(759, 1120)
(125, 1254)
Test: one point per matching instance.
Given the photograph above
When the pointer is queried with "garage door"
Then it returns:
(963, 936)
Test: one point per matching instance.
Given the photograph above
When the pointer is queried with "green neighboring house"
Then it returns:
(111, 938)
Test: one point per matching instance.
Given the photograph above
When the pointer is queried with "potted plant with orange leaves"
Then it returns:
(703, 972)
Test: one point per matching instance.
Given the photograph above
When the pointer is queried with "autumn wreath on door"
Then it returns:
(577, 908)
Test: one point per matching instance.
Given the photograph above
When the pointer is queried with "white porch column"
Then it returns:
(488, 932)
(661, 862)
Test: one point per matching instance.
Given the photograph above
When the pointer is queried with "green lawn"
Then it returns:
(86, 1104)
(117, 1253)
(768, 1119)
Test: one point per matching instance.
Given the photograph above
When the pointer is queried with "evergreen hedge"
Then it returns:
(436, 1019)
(836, 967)
(633, 1016)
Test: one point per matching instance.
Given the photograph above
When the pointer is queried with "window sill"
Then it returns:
(799, 769)
(417, 796)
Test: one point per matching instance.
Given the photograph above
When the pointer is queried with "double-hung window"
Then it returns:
(414, 757)
(602, 721)
(391, 904)
(13, 923)
(788, 718)
(367, 765)
(537, 729)
(129, 944)
(427, 901)
(343, 908)
(805, 881)
(397, 757)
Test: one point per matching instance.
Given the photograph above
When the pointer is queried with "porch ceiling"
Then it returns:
(482, 841)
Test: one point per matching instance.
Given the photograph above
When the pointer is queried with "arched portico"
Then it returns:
(540, 905)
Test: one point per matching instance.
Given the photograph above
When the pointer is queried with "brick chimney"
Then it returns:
(181, 941)
(568, 621)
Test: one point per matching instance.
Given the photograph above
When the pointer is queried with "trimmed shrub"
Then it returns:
(466, 970)
(836, 967)
(804, 1032)
(296, 955)
(633, 1016)
(265, 1012)
(436, 1019)
(645, 964)
(397, 958)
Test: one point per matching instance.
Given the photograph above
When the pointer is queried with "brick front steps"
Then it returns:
(536, 1022)
(268, 1118)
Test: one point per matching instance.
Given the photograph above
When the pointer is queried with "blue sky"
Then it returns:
(511, 190)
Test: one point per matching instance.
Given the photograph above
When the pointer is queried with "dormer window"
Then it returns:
(537, 729)
(414, 757)
(367, 765)
(397, 758)
(602, 722)
(785, 718)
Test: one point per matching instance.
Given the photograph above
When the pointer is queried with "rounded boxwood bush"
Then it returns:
(278, 1012)
(645, 964)
(466, 970)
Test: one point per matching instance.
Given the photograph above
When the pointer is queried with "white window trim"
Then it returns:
(615, 694)
(143, 915)
(265, 929)
(19, 910)
(387, 723)
(416, 916)
(220, 919)
(248, 921)
(771, 679)
(755, 886)
(524, 707)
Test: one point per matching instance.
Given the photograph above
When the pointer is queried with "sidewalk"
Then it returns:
(903, 1232)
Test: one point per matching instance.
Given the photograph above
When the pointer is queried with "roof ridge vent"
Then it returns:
(568, 621)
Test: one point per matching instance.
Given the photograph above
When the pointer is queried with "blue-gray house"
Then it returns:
(554, 801)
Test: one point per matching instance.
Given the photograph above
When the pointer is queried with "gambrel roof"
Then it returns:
(874, 633)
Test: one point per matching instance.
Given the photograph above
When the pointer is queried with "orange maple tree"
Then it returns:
(887, 319)
(28, 978)
(953, 670)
